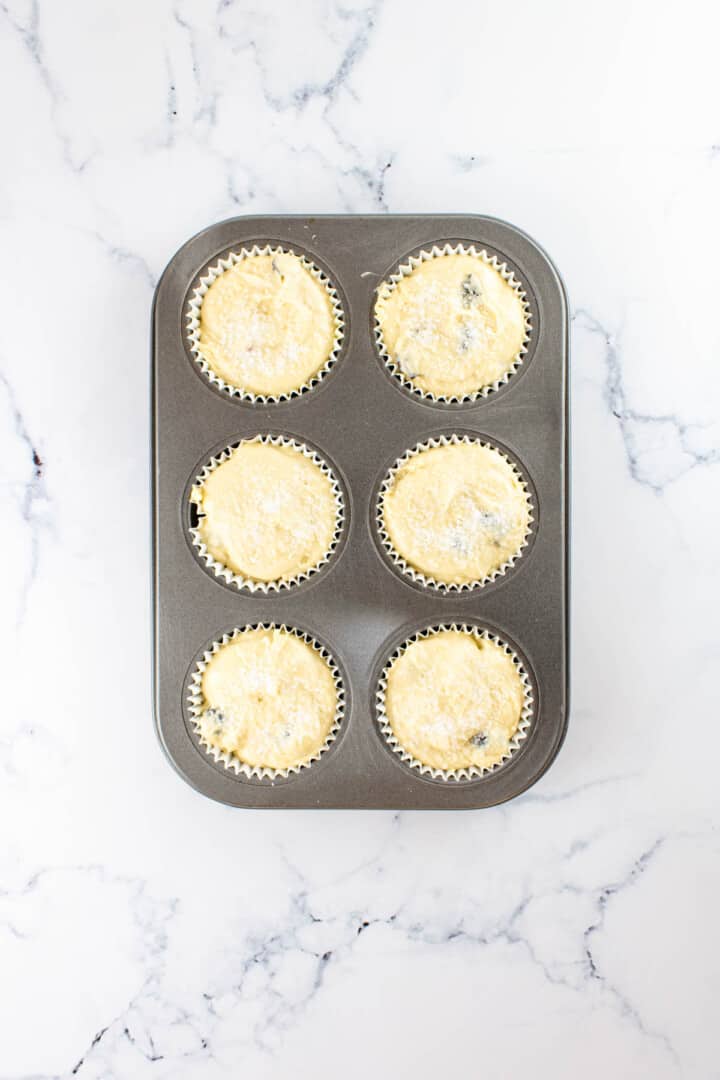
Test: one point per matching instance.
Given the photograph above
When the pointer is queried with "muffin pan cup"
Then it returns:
(225, 573)
(405, 271)
(227, 760)
(192, 329)
(467, 772)
(427, 580)
(362, 420)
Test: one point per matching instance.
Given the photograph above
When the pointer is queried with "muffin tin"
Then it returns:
(361, 419)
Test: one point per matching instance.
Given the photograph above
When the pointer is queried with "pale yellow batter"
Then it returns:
(269, 699)
(268, 513)
(452, 326)
(267, 326)
(454, 700)
(456, 513)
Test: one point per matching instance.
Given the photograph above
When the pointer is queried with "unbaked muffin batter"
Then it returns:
(269, 699)
(456, 513)
(268, 513)
(453, 325)
(454, 700)
(267, 326)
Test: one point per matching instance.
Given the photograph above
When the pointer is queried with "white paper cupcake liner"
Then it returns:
(196, 704)
(474, 771)
(193, 323)
(388, 285)
(427, 580)
(225, 573)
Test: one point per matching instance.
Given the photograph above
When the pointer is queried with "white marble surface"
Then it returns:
(146, 932)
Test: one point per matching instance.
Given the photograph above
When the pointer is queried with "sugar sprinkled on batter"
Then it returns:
(456, 513)
(268, 512)
(267, 325)
(454, 700)
(269, 699)
(453, 325)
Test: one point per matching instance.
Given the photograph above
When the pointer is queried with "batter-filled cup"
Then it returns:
(268, 514)
(264, 324)
(454, 513)
(454, 702)
(266, 701)
(452, 323)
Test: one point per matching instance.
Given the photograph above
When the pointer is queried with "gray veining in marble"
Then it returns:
(148, 933)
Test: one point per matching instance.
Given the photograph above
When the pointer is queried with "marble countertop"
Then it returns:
(146, 932)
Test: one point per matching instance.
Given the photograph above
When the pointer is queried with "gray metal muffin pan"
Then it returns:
(361, 419)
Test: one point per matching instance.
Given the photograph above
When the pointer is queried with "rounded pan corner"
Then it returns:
(526, 238)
